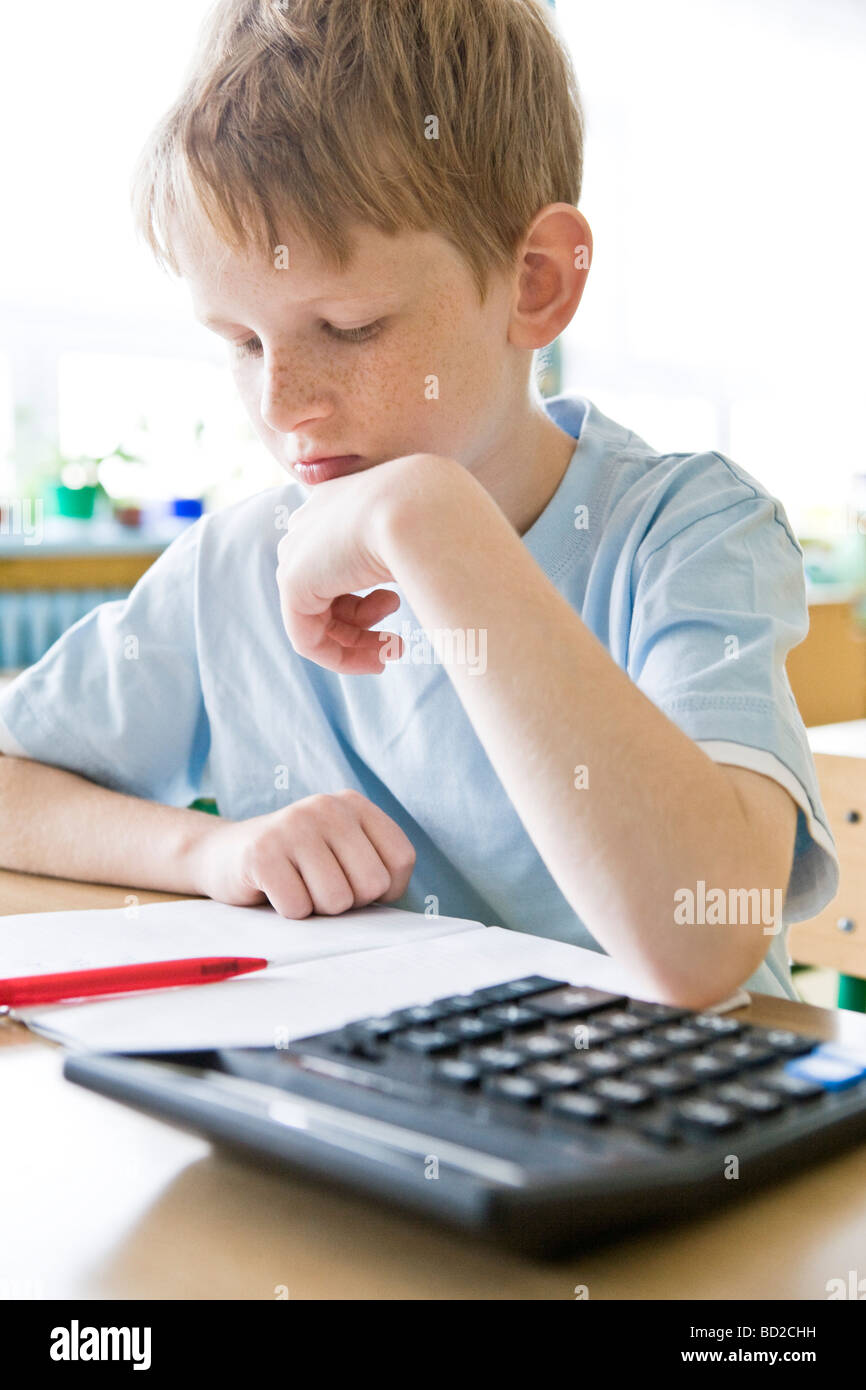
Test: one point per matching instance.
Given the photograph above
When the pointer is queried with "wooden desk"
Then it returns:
(98, 1202)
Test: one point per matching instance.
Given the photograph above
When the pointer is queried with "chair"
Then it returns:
(836, 938)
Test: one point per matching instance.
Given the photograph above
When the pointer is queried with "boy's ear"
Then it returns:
(552, 267)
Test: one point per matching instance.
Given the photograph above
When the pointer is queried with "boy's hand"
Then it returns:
(324, 854)
(333, 547)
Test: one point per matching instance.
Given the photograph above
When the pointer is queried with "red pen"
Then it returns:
(120, 979)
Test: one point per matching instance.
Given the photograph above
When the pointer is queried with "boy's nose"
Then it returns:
(289, 403)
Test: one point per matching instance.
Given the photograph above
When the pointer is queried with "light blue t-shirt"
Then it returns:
(681, 564)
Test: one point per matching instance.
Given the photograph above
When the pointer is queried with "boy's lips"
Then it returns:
(321, 470)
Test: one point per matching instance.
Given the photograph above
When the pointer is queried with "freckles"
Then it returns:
(284, 375)
(298, 381)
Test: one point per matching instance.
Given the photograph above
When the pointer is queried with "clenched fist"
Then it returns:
(324, 854)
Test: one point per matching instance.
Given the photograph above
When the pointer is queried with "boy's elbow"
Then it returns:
(702, 978)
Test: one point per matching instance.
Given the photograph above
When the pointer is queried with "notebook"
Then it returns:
(324, 972)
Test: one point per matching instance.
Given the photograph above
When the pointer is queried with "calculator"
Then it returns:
(535, 1113)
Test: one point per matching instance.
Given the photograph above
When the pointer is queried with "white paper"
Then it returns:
(335, 969)
(41, 943)
(270, 1009)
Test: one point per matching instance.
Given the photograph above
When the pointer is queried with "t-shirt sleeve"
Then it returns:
(719, 601)
(118, 697)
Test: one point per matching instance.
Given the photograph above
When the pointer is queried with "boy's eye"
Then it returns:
(354, 335)
(253, 348)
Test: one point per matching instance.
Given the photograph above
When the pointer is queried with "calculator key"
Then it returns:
(594, 1034)
(556, 1076)
(705, 1066)
(622, 1092)
(471, 1029)
(576, 1105)
(458, 1004)
(513, 1016)
(622, 1021)
(573, 1002)
(603, 1061)
(425, 1040)
(497, 1058)
(679, 1036)
(457, 1071)
(382, 1027)
(517, 1088)
(462, 1003)
(667, 1080)
(784, 1041)
(643, 1051)
(421, 1014)
(532, 984)
(491, 994)
(584, 1035)
(839, 1049)
(541, 1047)
(716, 1025)
(706, 1116)
(516, 989)
(795, 1088)
(744, 1052)
(750, 1098)
(657, 1013)
(829, 1067)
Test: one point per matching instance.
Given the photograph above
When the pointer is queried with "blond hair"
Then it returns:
(307, 116)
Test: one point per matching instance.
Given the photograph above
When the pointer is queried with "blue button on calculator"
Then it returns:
(829, 1066)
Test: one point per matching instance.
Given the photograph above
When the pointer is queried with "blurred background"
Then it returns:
(724, 310)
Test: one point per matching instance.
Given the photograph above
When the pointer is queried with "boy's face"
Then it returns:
(432, 371)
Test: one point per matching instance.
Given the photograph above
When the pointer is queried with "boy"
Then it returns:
(374, 203)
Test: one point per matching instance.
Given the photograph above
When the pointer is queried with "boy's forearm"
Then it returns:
(656, 816)
(56, 823)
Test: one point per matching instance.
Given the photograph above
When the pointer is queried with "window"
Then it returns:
(725, 304)
(187, 432)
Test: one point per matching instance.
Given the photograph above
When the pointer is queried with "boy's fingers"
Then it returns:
(372, 608)
(367, 873)
(284, 888)
(394, 848)
(329, 889)
(358, 638)
(352, 617)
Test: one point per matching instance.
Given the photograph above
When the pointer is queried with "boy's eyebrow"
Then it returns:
(380, 297)
(210, 322)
